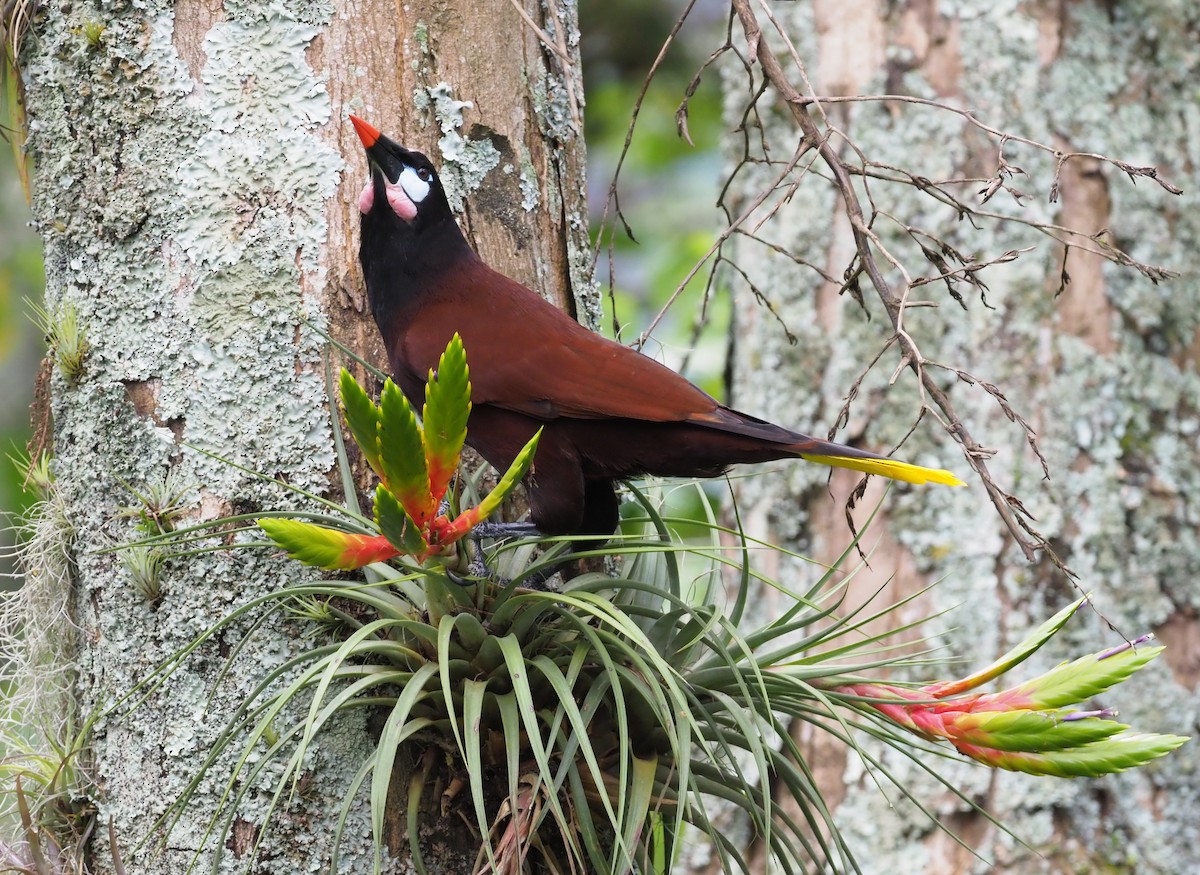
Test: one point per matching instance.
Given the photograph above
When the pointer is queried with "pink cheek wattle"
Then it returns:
(366, 200)
(400, 202)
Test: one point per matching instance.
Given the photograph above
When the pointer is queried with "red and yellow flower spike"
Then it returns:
(415, 463)
(327, 548)
(1029, 728)
(447, 408)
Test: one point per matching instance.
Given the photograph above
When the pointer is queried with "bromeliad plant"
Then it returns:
(588, 728)
(415, 462)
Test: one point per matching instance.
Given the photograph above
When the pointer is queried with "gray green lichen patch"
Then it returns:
(257, 77)
(552, 107)
(558, 107)
(312, 12)
(465, 162)
(258, 194)
(530, 189)
(184, 220)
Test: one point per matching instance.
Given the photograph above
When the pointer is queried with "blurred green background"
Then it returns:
(21, 282)
(667, 188)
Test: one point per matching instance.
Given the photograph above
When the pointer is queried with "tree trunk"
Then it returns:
(195, 188)
(1104, 370)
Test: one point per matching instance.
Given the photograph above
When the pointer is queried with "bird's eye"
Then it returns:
(424, 174)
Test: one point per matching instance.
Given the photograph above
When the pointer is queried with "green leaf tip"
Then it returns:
(507, 483)
(447, 409)
(362, 418)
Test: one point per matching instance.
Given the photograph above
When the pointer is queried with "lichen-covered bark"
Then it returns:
(195, 182)
(1106, 373)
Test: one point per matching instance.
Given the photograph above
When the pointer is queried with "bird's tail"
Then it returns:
(839, 456)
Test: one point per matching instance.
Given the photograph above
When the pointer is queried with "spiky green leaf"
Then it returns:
(1013, 658)
(1031, 730)
(511, 478)
(1126, 751)
(1085, 677)
(402, 452)
(447, 407)
(396, 525)
(362, 418)
(324, 547)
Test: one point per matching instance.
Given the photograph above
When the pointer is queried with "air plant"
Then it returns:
(585, 729)
(415, 462)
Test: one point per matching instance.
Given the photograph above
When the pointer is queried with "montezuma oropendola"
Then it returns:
(608, 412)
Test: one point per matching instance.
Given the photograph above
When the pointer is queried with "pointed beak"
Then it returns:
(373, 142)
(370, 137)
(368, 134)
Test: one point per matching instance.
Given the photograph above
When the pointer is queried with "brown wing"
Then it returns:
(526, 355)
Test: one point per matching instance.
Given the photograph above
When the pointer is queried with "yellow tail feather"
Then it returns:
(892, 468)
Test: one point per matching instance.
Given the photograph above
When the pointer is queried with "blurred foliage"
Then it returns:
(21, 280)
(667, 188)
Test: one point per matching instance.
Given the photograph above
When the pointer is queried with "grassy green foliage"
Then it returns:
(667, 187)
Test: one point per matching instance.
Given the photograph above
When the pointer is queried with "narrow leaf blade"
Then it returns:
(509, 481)
(1014, 657)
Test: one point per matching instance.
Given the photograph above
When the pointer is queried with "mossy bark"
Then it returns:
(1105, 372)
(195, 187)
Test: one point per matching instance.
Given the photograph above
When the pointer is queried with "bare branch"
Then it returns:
(558, 47)
(867, 245)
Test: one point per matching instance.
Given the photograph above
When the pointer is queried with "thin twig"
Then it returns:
(1132, 170)
(867, 244)
(722, 237)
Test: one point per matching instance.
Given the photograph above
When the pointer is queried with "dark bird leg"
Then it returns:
(495, 532)
(505, 531)
(601, 513)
